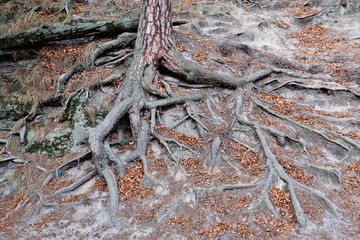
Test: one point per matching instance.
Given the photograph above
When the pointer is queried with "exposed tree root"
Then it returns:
(66, 76)
(169, 210)
(311, 130)
(193, 114)
(209, 102)
(165, 142)
(140, 99)
(276, 171)
(120, 42)
(80, 91)
(333, 174)
(310, 16)
(78, 183)
(243, 144)
(69, 164)
(320, 77)
(69, 99)
(50, 176)
(13, 159)
(55, 205)
(316, 85)
(351, 120)
(324, 200)
(116, 61)
(123, 40)
(227, 187)
(173, 101)
(215, 153)
(107, 80)
(273, 163)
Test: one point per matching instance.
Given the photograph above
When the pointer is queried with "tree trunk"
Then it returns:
(155, 30)
(153, 37)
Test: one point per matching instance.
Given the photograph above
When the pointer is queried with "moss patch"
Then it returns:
(52, 148)
(71, 110)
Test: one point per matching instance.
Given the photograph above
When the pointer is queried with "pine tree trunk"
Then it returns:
(152, 44)
(154, 30)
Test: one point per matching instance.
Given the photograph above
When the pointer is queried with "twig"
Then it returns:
(13, 159)
(34, 9)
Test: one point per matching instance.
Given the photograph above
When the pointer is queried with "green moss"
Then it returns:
(69, 114)
(14, 108)
(14, 89)
(71, 110)
(62, 17)
(88, 120)
(2, 101)
(25, 108)
(104, 113)
(57, 147)
(11, 16)
(19, 16)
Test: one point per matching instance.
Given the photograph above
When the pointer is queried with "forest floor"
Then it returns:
(309, 109)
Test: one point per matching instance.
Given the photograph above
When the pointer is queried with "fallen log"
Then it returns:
(127, 22)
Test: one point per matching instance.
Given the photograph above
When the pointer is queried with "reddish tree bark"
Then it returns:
(155, 30)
